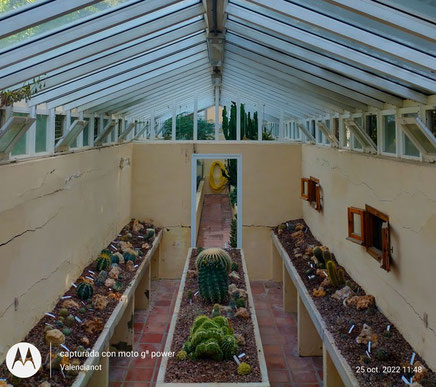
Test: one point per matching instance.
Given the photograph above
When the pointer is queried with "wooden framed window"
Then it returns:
(305, 188)
(315, 193)
(370, 228)
(356, 225)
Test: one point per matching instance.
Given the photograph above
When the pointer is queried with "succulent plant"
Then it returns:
(59, 323)
(381, 354)
(118, 286)
(63, 312)
(240, 303)
(80, 349)
(82, 310)
(336, 276)
(216, 311)
(149, 233)
(129, 257)
(282, 226)
(84, 290)
(69, 321)
(213, 266)
(211, 339)
(244, 369)
(115, 259)
(182, 355)
(291, 227)
(101, 278)
(66, 331)
(102, 262)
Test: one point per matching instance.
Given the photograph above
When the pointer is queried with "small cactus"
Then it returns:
(102, 262)
(82, 310)
(84, 291)
(129, 257)
(115, 259)
(101, 278)
(216, 311)
(244, 369)
(282, 226)
(59, 324)
(118, 286)
(66, 331)
(381, 354)
(336, 276)
(69, 321)
(240, 303)
(182, 355)
(63, 312)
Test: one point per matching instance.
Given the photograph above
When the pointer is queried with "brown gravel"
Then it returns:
(36, 335)
(203, 371)
(339, 319)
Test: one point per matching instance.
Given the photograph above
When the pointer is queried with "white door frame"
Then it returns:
(217, 156)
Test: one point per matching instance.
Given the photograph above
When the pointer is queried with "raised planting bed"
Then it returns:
(340, 320)
(189, 306)
(88, 325)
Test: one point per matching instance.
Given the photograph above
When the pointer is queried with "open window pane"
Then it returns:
(371, 127)
(41, 133)
(356, 227)
(305, 188)
(409, 148)
(21, 146)
(389, 134)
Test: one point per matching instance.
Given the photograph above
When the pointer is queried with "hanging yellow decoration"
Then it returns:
(217, 186)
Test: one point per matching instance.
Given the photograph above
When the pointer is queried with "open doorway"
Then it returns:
(216, 182)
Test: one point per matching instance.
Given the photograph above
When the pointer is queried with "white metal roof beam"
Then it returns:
(389, 15)
(138, 87)
(133, 82)
(118, 56)
(118, 104)
(166, 89)
(335, 49)
(312, 74)
(241, 64)
(26, 17)
(297, 84)
(125, 68)
(80, 29)
(346, 30)
(48, 62)
(131, 77)
(277, 90)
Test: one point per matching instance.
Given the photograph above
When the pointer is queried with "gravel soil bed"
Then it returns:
(203, 371)
(340, 318)
(37, 335)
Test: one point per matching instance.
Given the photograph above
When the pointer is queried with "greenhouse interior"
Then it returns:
(218, 193)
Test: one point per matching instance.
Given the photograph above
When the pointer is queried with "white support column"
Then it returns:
(342, 141)
(195, 134)
(51, 131)
(398, 136)
(152, 126)
(238, 118)
(217, 112)
(8, 112)
(80, 136)
(31, 134)
(173, 122)
(259, 121)
(379, 131)
(100, 123)
(281, 126)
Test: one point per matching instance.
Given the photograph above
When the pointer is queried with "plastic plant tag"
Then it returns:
(388, 328)
(236, 360)
(90, 271)
(51, 315)
(136, 265)
(369, 347)
(412, 359)
(241, 355)
(78, 319)
(62, 371)
(74, 285)
(351, 329)
(140, 236)
(311, 277)
(65, 347)
(404, 379)
(113, 247)
(196, 293)
(367, 354)
(65, 297)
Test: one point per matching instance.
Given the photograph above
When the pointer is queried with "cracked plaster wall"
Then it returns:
(406, 192)
(56, 213)
(271, 190)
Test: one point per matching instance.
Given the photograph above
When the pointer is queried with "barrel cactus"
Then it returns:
(211, 339)
(103, 262)
(84, 291)
(213, 266)
(336, 276)
(115, 259)
(129, 257)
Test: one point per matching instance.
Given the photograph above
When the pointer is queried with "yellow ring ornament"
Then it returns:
(217, 186)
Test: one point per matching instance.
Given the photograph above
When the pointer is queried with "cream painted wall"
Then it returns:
(271, 189)
(406, 192)
(56, 213)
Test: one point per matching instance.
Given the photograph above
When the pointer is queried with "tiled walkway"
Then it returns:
(215, 222)
(277, 328)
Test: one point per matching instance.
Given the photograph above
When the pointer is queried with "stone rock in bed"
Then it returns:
(43, 384)
(99, 302)
(419, 376)
(191, 274)
(130, 266)
(240, 339)
(109, 283)
(343, 293)
(360, 302)
(93, 326)
(136, 226)
(234, 275)
(85, 341)
(320, 292)
(55, 337)
(115, 272)
(297, 234)
(243, 313)
(366, 335)
(70, 304)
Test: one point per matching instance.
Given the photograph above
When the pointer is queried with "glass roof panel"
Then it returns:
(55, 23)
(13, 5)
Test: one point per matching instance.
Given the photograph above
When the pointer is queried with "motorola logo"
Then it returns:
(23, 360)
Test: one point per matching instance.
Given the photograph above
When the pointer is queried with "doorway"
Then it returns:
(195, 194)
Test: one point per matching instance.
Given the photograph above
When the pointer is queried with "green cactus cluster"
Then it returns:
(101, 278)
(213, 266)
(337, 276)
(244, 369)
(84, 290)
(129, 257)
(211, 339)
(102, 262)
(149, 233)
